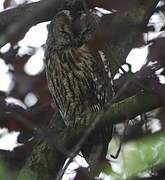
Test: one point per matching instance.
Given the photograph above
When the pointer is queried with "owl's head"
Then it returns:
(68, 30)
(59, 30)
(88, 27)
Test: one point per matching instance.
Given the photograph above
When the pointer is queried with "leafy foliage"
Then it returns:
(137, 155)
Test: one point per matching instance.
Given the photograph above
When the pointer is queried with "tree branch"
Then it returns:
(46, 160)
(127, 28)
(18, 20)
(21, 18)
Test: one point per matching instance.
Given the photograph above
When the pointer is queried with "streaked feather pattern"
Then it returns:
(76, 79)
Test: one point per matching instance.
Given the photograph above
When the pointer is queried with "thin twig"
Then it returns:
(92, 126)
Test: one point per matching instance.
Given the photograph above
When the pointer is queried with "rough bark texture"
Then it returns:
(46, 159)
(17, 21)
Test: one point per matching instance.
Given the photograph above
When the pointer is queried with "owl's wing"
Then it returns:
(102, 79)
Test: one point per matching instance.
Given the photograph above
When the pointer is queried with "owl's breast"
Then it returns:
(73, 82)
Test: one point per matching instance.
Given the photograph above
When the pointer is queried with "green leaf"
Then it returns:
(140, 155)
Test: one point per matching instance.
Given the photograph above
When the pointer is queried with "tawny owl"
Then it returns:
(78, 81)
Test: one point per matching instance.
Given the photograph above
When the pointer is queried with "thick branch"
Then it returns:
(46, 160)
(37, 12)
(127, 109)
(17, 21)
(26, 16)
(20, 19)
(132, 107)
(127, 29)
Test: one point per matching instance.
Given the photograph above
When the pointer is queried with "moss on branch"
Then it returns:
(48, 155)
(46, 160)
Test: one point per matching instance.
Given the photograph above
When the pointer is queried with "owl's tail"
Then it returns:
(95, 150)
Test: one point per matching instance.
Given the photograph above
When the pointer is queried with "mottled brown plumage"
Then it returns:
(77, 80)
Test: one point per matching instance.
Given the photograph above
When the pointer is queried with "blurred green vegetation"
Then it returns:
(4, 174)
(138, 156)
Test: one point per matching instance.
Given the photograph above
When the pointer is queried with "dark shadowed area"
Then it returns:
(136, 109)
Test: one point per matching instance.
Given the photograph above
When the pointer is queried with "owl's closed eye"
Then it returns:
(68, 30)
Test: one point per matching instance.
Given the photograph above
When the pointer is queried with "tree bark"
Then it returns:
(50, 153)
(127, 29)
(47, 159)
